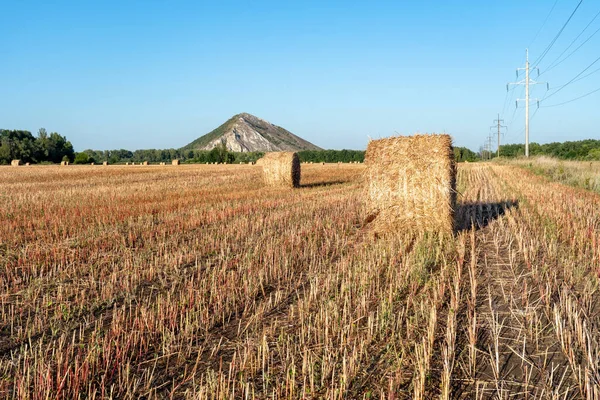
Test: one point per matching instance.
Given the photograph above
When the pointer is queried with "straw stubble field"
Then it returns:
(200, 282)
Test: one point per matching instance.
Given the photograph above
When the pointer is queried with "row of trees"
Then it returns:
(219, 154)
(331, 156)
(54, 148)
(573, 150)
(22, 145)
(462, 154)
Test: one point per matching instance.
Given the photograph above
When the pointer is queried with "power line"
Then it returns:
(514, 114)
(506, 101)
(571, 53)
(573, 80)
(572, 100)
(543, 24)
(545, 52)
(530, 119)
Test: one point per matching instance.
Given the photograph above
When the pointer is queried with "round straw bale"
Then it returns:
(281, 169)
(175, 162)
(15, 163)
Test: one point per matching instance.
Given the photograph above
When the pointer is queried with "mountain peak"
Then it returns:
(245, 132)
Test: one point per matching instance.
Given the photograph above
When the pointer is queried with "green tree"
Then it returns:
(81, 158)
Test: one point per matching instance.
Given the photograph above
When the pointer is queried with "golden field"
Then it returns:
(198, 281)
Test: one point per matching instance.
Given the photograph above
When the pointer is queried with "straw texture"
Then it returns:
(281, 169)
(411, 183)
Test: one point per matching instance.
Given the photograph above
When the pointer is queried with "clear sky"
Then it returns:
(158, 74)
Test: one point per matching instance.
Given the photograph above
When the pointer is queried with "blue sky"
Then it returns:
(154, 74)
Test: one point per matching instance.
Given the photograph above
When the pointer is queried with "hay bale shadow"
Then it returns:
(480, 214)
(320, 184)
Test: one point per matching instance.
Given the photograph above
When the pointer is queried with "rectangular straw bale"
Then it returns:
(15, 163)
(175, 162)
(411, 183)
(281, 169)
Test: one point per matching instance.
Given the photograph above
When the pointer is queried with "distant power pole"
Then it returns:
(527, 82)
(499, 126)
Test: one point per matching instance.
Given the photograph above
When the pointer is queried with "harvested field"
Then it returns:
(200, 282)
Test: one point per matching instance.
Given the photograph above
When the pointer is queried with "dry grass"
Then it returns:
(583, 174)
(281, 169)
(196, 282)
(410, 183)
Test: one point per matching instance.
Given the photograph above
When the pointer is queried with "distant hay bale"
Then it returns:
(104, 162)
(64, 163)
(145, 163)
(162, 163)
(15, 163)
(92, 163)
(175, 162)
(126, 163)
(281, 169)
(27, 164)
(411, 183)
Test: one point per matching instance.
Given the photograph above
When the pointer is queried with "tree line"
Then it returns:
(219, 154)
(22, 145)
(54, 148)
(588, 149)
